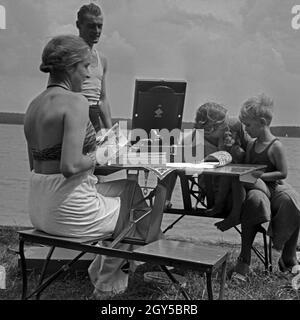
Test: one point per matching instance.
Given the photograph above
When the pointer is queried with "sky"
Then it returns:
(226, 50)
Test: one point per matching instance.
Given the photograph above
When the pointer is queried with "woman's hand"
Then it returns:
(92, 156)
(102, 154)
(228, 139)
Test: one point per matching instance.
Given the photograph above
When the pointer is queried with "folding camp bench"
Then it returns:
(161, 252)
(156, 202)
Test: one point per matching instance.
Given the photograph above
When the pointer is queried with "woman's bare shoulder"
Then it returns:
(34, 102)
(74, 100)
(78, 98)
(60, 104)
(76, 108)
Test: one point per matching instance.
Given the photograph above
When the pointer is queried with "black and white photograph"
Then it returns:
(149, 153)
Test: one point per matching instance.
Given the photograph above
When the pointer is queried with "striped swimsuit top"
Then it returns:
(54, 153)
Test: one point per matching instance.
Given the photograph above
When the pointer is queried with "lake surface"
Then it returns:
(14, 173)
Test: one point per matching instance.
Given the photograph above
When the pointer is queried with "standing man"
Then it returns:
(89, 23)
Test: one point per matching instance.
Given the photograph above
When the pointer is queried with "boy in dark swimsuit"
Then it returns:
(256, 115)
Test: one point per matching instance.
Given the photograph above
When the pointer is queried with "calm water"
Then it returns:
(14, 169)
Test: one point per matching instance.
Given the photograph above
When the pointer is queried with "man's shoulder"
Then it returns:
(100, 54)
(103, 61)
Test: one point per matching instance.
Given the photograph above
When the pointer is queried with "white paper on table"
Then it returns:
(185, 165)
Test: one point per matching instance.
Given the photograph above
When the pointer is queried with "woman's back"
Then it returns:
(45, 120)
(57, 128)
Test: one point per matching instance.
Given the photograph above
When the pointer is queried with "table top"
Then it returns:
(229, 169)
(234, 169)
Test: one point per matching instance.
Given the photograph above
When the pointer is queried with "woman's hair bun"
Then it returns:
(62, 52)
(46, 68)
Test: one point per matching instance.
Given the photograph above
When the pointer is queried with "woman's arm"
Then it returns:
(75, 124)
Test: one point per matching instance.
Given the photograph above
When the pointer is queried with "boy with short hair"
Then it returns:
(256, 114)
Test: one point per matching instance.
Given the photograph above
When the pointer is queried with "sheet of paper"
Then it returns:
(185, 165)
(111, 145)
(104, 134)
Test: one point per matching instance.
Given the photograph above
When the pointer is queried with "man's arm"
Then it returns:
(105, 113)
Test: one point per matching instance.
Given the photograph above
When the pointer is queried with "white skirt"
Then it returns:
(71, 207)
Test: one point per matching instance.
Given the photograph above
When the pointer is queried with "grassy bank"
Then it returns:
(76, 286)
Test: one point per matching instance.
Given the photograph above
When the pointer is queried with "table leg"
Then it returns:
(222, 280)
(186, 195)
(176, 283)
(24, 268)
(209, 286)
(43, 273)
(133, 175)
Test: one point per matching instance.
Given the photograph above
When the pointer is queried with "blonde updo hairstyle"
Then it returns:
(63, 52)
(211, 111)
(256, 108)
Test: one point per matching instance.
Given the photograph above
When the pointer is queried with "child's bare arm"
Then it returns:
(278, 158)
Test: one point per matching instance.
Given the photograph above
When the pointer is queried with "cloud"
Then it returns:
(121, 53)
(21, 36)
(226, 50)
(272, 20)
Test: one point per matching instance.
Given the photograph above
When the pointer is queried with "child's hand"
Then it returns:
(228, 139)
(257, 174)
(238, 154)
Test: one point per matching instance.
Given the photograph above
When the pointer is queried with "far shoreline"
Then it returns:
(11, 118)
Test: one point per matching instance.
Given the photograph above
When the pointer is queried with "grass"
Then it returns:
(76, 285)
